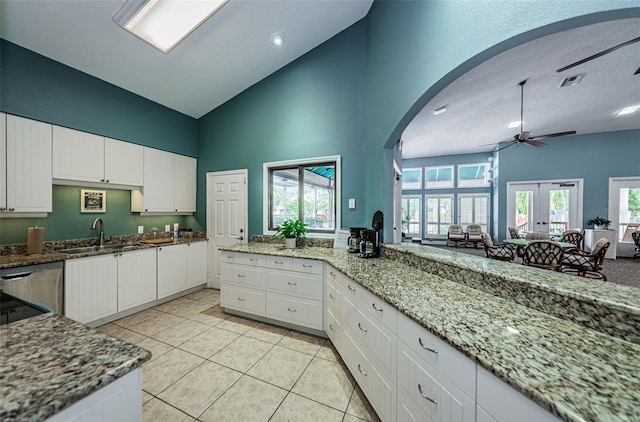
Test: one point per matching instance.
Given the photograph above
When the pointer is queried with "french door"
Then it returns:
(545, 206)
(624, 211)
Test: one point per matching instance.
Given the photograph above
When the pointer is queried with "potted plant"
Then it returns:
(599, 223)
(291, 230)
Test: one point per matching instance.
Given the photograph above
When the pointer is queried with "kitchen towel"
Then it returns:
(35, 238)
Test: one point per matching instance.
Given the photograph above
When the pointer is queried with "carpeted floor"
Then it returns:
(622, 271)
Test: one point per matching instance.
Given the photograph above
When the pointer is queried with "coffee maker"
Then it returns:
(370, 243)
(355, 237)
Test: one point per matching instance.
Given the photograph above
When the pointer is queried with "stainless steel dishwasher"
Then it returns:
(40, 283)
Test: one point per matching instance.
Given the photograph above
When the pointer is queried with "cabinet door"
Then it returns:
(28, 163)
(91, 287)
(3, 161)
(196, 263)
(172, 270)
(136, 278)
(77, 155)
(158, 181)
(123, 162)
(184, 184)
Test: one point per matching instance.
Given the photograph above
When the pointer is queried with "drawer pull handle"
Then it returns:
(292, 284)
(229, 257)
(307, 266)
(425, 396)
(241, 275)
(278, 262)
(425, 347)
(376, 308)
(360, 370)
(241, 299)
(350, 288)
(332, 296)
(292, 310)
(362, 329)
(331, 327)
(253, 259)
(332, 274)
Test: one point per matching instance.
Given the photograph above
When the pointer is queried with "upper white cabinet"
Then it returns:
(169, 184)
(25, 158)
(85, 157)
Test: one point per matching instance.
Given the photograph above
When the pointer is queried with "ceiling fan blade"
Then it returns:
(523, 136)
(553, 135)
(537, 144)
(600, 54)
(507, 146)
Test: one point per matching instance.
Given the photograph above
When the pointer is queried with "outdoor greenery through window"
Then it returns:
(304, 192)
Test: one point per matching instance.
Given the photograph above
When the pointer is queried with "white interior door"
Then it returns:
(226, 216)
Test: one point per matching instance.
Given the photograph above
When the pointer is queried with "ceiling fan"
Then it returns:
(525, 137)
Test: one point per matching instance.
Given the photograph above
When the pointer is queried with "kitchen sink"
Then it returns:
(88, 249)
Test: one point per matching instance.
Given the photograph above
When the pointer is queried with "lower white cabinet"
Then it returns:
(172, 269)
(196, 263)
(136, 278)
(251, 301)
(91, 287)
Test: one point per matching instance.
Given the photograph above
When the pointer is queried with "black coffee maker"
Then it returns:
(355, 237)
(371, 238)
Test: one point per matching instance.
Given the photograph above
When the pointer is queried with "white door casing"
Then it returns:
(226, 216)
(625, 248)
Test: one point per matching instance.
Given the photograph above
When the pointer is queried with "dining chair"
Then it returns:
(636, 239)
(474, 234)
(587, 264)
(455, 234)
(572, 236)
(500, 252)
(514, 233)
(544, 254)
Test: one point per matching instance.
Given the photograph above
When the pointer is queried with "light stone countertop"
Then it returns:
(575, 372)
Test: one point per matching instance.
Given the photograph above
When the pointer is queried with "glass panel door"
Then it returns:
(411, 215)
(474, 209)
(438, 214)
(624, 211)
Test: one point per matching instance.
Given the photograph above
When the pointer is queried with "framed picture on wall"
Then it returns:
(93, 201)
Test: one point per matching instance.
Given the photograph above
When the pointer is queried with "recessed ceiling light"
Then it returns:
(164, 23)
(439, 110)
(277, 39)
(628, 110)
(514, 124)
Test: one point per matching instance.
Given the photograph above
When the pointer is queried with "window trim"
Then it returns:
(301, 162)
(448, 166)
(485, 182)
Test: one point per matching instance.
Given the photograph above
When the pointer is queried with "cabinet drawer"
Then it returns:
(377, 308)
(336, 277)
(295, 284)
(435, 395)
(455, 366)
(248, 259)
(378, 341)
(303, 312)
(279, 262)
(240, 299)
(333, 298)
(244, 276)
(333, 328)
(308, 266)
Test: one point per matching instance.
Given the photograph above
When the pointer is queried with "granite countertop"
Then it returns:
(49, 362)
(575, 372)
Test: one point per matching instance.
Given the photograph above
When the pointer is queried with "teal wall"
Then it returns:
(313, 107)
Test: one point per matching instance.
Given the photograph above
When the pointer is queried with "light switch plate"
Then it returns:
(352, 203)
(167, 227)
(140, 229)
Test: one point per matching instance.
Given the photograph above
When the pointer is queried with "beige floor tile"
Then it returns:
(156, 324)
(197, 390)
(137, 318)
(281, 367)
(180, 332)
(194, 307)
(295, 408)
(109, 328)
(156, 410)
(242, 354)
(128, 336)
(146, 397)
(205, 295)
(167, 369)
(156, 348)
(248, 400)
(328, 352)
(211, 316)
(209, 342)
(351, 418)
(359, 406)
(267, 332)
(301, 342)
(172, 305)
(326, 382)
(237, 324)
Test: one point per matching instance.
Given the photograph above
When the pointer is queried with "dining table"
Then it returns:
(524, 242)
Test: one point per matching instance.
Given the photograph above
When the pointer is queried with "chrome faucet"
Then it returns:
(93, 227)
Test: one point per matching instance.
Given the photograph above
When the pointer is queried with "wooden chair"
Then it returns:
(636, 239)
(455, 234)
(544, 254)
(500, 252)
(474, 234)
(572, 236)
(587, 264)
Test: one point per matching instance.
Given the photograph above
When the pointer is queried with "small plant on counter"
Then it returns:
(291, 230)
(599, 222)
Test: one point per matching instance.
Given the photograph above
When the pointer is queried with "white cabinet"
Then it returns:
(25, 159)
(85, 157)
(136, 278)
(172, 269)
(91, 287)
(242, 286)
(196, 263)
(169, 184)
(591, 237)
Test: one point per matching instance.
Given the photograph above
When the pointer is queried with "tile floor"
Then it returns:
(210, 366)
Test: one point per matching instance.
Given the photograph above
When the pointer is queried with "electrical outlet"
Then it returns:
(167, 227)
(140, 229)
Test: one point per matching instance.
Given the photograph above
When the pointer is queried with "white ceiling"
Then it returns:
(483, 101)
(226, 55)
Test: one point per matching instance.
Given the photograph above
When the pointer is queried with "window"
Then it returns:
(412, 178)
(411, 215)
(438, 213)
(472, 175)
(439, 177)
(474, 209)
(304, 190)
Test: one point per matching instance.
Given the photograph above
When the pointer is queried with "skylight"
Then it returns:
(164, 23)
(628, 110)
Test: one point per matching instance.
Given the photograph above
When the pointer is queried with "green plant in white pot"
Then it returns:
(599, 223)
(291, 230)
